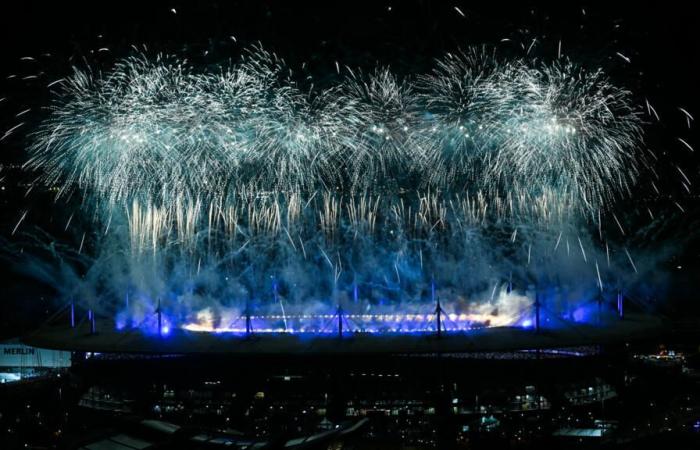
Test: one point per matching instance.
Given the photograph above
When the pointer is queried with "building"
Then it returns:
(19, 361)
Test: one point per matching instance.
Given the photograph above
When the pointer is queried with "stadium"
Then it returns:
(230, 203)
(395, 225)
(480, 340)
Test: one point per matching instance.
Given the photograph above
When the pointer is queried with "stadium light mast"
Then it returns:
(339, 313)
(438, 317)
(538, 307)
(438, 309)
(248, 321)
(620, 305)
(72, 313)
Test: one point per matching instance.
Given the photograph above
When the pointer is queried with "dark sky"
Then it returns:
(660, 39)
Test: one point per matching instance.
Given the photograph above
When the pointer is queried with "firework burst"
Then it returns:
(380, 181)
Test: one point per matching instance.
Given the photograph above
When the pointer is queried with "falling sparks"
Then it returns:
(651, 111)
(19, 222)
(55, 82)
(629, 257)
(583, 252)
(10, 131)
(688, 146)
(619, 225)
(688, 117)
(82, 242)
(623, 57)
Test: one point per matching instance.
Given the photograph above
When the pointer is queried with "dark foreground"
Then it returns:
(618, 397)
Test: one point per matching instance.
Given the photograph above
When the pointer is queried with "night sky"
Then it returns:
(659, 39)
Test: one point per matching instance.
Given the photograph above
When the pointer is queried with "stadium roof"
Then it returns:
(59, 335)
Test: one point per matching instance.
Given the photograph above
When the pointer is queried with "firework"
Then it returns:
(235, 185)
